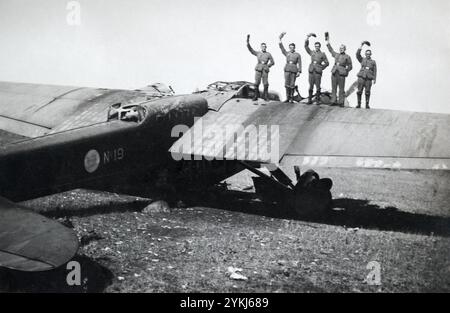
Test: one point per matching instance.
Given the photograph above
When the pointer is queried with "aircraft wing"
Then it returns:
(32, 242)
(322, 136)
(34, 110)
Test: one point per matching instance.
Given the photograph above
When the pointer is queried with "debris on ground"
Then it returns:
(234, 273)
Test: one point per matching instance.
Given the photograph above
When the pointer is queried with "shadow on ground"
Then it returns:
(344, 212)
(94, 278)
(361, 213)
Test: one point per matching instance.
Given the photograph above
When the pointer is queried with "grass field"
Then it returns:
(400, 219)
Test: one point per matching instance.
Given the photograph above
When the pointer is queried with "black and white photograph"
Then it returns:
(224, 151)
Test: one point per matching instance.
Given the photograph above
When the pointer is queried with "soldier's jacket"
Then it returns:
(319, 60)
(343, 63)
(368, 67)
(265, 59)
(293, 60)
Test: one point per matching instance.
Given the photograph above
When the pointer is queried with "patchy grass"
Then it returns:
(191, 249)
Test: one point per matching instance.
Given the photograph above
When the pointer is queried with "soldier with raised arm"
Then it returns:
(319, 62)
(342, 66)
(292, 69)
(265, 62)
(366, 75)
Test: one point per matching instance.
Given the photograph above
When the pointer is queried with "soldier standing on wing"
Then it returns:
(342, 66)
(366, 75)
(319, 62)
(265, 62)
(292, 69)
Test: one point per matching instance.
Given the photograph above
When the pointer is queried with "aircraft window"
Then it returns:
(128, 113)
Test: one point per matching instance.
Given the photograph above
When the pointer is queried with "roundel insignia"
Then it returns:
(91, 161)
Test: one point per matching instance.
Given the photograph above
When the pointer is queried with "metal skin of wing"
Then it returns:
(325, 136)
(32, 242)
(34, 110)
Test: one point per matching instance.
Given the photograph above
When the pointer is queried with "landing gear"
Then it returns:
(310, 196)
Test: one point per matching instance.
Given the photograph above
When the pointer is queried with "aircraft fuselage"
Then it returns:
(71, 159)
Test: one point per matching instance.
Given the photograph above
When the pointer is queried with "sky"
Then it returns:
(190, 43)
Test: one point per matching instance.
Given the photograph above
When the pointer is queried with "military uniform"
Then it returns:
(265, 62)
(342, 66)
(292, 67)
(366, 75)
(319, 62)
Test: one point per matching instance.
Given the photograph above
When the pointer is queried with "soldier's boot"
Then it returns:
(318, 96)
(359, 100)
(367, 100)
(310, 94)
(288, 94)
(266, 93)
(256, 96)
(291, 95)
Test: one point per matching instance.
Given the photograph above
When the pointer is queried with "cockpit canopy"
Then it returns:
(227, 86)
(130, 112)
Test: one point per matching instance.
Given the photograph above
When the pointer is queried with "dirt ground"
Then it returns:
(400, 219)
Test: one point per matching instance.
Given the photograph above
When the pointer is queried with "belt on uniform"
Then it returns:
(291, 62)
(315, 62)
(367, 68)
(263, 63)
